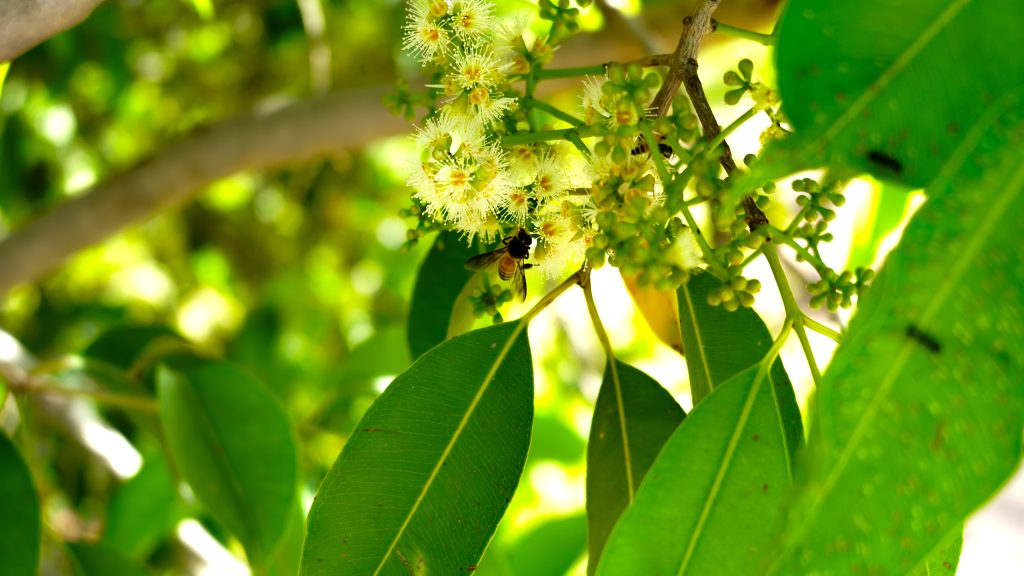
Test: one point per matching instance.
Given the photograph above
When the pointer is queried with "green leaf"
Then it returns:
(633, 418)
(125, 346)
(918, 419)
(424, 479)
(720, 344)
(550, 549)
(711, 502)
(889, 88)
(101, 560)
(943, 560)
(144, 510)
(19, 508)
(233, 444)
(440, 280)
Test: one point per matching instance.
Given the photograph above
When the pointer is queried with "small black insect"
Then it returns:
(924, 339)
(509, 260)
(885, 162)
(666, 150)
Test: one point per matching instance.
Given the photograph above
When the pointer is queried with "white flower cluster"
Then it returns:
(464, 178)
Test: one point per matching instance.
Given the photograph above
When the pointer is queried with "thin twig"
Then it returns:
(683, 71)
(21, 381)
(613, 369)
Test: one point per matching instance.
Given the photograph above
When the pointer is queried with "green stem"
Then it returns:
(788, 240)
(606, 343)
(701, 241)
(793, 311)
(550, 73)
(822, 329)
(652, 148)
(600, 69)
(548, 298)
(728, 130)
(548, 135)
(763, 39)
(557, 113)
(773, 352)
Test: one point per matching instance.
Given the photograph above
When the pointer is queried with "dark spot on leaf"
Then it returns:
(924, 339)
(471, 568)
(755, 437)
(884, 161)
(764, 487)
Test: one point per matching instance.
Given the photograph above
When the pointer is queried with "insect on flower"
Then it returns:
(509, 260)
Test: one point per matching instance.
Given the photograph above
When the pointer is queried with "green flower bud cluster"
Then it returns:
(736, 292)
(564, 18)
(741, 79)
(487, 298)
(837, 290)
(659, 253)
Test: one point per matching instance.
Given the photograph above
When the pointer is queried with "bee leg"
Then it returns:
(527, 266)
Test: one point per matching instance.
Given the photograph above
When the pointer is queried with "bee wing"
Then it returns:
(518, 284)
(485, 260)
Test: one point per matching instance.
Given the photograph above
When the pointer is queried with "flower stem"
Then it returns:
(763, 39)
(793, 311)
(557, 113)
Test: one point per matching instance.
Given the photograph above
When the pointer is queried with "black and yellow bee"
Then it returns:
(509, 261)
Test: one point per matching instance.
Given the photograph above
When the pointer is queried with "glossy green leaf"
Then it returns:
(633, 418)
(711, 502)
(439, 282)
(943, 560)
(144, 510)
(233, 444)
(720, 344)
(424, 479)
(890, 88)
(918, 419)
(101, 560)
(19, 509)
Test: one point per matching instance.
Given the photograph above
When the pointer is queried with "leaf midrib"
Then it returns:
(901, 62)
(723, 467)
(498, 361)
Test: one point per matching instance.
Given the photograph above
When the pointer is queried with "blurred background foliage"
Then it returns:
(297, 274)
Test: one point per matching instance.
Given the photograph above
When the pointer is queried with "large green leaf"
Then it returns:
(918, 419)
(943, 560)
(440, 280)
(233, 444)
(19, 509)
(102, 560)
(144, 510)
(720, 344)
(711, 502)
(427, 474)
(633, 418)
(890, 87)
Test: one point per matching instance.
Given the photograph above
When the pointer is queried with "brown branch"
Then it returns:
(683, 71)
(25, 23)
(296, 133)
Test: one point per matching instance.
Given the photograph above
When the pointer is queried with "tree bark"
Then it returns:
(25, 23)
(296, 133)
